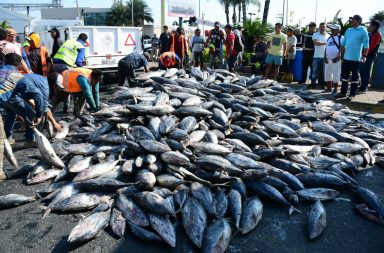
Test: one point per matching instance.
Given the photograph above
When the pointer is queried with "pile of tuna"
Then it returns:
(203, 150)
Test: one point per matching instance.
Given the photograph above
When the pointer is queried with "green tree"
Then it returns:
(121, 15)
(244, 4)
(4, 25)
(118, 16)
(226, 4)
(343, 26)
(253, 30)
(141, 12)
(266, 11)
(379, 16)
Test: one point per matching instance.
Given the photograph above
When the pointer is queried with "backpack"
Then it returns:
(239, 47)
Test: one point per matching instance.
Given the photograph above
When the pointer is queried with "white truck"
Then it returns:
(106, 44)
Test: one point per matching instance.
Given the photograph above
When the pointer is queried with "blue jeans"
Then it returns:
(317, 63)
(22, 108)
(231, 62)
(219, 55)
(365, 72)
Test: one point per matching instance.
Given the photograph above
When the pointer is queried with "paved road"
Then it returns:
(23, 230)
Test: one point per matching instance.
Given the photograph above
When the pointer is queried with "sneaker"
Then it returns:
(340, 95)
(350, 97)
(326, 90)
(362, 91)
(30, 144)
(11, 140)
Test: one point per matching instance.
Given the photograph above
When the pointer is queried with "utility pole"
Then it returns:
(286, 17)
(316, 13)
(162, 13)
(133, 24)
(282, 17)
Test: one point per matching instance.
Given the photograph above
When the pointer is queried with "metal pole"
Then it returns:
(286, 19)
(133, 24)
(282, 17)
(162, 13)
(199, 8)
(316, 13)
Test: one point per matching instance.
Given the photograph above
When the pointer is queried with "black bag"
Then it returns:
(239, 47)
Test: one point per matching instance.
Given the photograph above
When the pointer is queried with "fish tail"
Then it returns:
(293, 209)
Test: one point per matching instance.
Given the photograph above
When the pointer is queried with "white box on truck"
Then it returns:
(107, 44)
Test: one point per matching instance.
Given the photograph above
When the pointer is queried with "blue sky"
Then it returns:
(303, 10)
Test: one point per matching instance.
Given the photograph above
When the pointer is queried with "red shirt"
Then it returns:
(230, 37)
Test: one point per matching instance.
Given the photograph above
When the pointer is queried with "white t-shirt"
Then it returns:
(332, 50)
(319, 50)
(291, 41)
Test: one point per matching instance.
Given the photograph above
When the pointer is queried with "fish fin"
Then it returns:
(293, 209)
(47, 211)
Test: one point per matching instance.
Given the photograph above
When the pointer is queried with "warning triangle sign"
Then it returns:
(129, 41)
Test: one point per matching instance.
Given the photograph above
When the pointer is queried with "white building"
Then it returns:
(16, 20)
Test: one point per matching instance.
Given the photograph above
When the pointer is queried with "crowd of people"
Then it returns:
(33, 82)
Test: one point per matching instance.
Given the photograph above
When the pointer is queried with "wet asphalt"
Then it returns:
(22, 229)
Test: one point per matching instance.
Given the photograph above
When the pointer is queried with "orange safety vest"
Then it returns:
(70, 83)
(172, 49)
(168, 59)
(43, 54)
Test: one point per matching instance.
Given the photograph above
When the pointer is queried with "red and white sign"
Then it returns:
(130, 41)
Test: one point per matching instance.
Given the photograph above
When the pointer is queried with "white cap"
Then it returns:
(59, 81)
(334, 26)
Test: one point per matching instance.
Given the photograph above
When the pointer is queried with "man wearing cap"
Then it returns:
(38, 56)
(15, 90)
(320, 41)
(169, 60)
(277, 48)
(82, 83)
(128, 64)
(308, 52)
(57, 42)
(355, 41)
(11, 46)
(332, 59)
(72, 52)
(216, 37)
(231, 54)
(374, 44)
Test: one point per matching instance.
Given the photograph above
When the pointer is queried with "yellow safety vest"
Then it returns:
(68, 52)
(70, 83)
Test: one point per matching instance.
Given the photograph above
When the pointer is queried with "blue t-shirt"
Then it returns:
(135, 60)
(355, 39)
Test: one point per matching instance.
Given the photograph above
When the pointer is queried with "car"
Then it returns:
(147, 45)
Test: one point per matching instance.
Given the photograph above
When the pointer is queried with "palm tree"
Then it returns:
(266, 10)
(141, 12)
(244, 5)
(121, 15)
(226, 4)
(4, 25)
(118, 15)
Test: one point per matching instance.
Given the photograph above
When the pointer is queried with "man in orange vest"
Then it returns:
(169, 60)
(178, 44)
(82, 83)
(38, 56)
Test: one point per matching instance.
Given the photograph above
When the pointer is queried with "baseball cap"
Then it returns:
(228, 26)
(54, 29)
(312, 24)
(217, 23)
(239, 26)
(335, 27)
(59, 81)
(290, 29)
(356, 17)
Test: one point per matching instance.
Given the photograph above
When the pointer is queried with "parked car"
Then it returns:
(147, 45)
